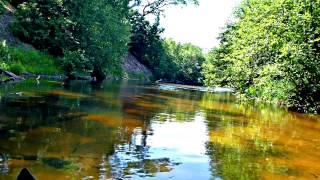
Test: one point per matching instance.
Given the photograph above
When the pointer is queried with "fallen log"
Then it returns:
(11, 75)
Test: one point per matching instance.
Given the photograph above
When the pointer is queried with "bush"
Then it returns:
(16, 68)
(4, 66)
(75, 61)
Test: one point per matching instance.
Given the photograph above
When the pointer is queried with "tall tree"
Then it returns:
(272, 53)
(146, 43)
(90, 35)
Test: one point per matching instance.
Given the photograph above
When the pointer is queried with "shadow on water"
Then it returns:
(75, 130)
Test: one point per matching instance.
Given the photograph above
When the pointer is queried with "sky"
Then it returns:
(199, 25)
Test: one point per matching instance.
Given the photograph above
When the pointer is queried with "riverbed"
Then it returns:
(133, 130)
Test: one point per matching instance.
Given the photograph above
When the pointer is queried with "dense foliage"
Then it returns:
(93, 35)
(95, 30)
(169, 61)
(271, 52)
(145, 43)
(183, 63)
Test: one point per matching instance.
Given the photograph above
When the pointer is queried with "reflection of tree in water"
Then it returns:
(132, 156)
(124, 143)
(105, 130)
(34, 122)
(244, 139)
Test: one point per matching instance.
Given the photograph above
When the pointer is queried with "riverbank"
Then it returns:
(20, 58)
(9, 77)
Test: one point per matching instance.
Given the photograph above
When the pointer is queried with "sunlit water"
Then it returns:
(133, 130)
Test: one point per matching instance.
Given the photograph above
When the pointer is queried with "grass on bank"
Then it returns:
(19, 60)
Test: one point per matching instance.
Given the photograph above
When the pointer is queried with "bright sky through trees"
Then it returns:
(199, 25)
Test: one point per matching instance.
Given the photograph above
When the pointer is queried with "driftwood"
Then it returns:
(10, 75)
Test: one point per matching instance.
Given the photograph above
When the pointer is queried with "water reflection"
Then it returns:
(264, 142)
(133, 130)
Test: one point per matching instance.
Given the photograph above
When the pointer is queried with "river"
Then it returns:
(131, 130)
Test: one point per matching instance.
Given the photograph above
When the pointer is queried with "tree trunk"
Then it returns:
(97, 74)
(10, 74)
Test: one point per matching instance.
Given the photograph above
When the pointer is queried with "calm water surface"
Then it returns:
(136, 131)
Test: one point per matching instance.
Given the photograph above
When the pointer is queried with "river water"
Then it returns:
(131, 130)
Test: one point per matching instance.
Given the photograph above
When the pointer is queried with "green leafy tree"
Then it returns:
(185, 60)
(97, 28)
(45, 24)
(145, 42)
(147, 45)
(271, 52)
(103, 33)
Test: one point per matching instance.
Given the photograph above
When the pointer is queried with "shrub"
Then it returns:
(16, 68)
(75, 61)
(4, 66)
